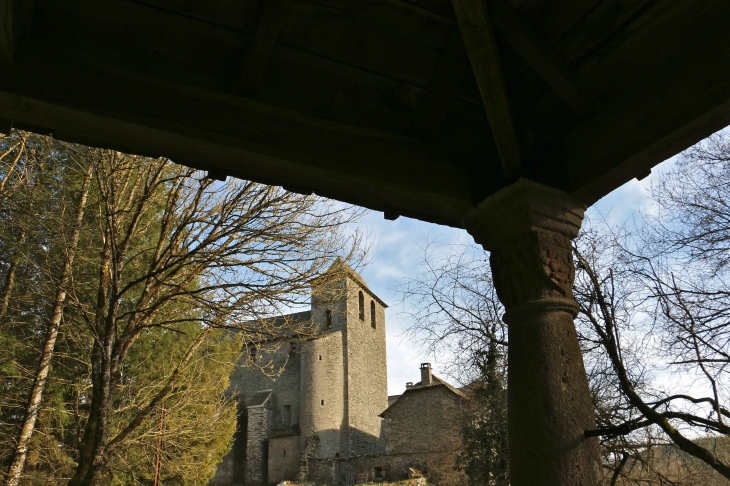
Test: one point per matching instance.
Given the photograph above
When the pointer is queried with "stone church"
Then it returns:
(325, 414)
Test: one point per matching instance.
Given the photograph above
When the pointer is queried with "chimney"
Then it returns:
(426, 378)
(409, 384)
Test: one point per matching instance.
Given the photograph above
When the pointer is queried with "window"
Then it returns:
(372, 314)
(378, 473)
(286, 415)
(328, 317)
(361, 306)
(320, 357)
(284, 452)
(252, 352)
(321, 402)
(292, 347)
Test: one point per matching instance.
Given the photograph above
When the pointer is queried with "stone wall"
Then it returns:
(367, 378)
(283, 405)
(283, 458)
(282, 377)
(322, 396)
(257, 445)
(377, 467)
(424, 419)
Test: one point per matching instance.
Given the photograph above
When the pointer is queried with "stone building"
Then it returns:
(422, 432)
(325, 402)
(425, 419)
(325, 415)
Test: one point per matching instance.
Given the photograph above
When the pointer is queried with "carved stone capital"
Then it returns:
(527, 227)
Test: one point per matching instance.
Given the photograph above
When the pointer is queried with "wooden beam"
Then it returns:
(673, 107)
(14, 21)
(446, 78)
(541, 57)
(237, 136)
(476, 30)
(271, 20)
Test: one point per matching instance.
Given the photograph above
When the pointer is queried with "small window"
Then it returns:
(321, 402)
(252, 352)
(328, 317)
(293, 347)
(372, 314)
(286, 415)
(320, 357)
(361, 306)
(284, 452)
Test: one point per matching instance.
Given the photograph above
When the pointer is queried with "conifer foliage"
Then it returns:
(128, 283)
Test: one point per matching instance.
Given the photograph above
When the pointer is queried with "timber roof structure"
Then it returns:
(421, 108)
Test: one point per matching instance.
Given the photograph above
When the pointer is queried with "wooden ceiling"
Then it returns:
(376, 102)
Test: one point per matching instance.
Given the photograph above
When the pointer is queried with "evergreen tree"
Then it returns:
(169, 261)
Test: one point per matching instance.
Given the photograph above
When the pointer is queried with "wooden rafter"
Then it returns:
(271, 20)
(447, 75)
(543, 59)
(476, 30)
(14, 20)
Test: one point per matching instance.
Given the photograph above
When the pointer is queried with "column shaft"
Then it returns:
(527, 228)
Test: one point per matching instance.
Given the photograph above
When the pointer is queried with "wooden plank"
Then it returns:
(357, 34)
(445, 81)
(239, 137)
(15, 17)
(236, 15)
(156, 41)
(599, 26)
(541, 57)
(555, 19)
(201, 55)
(476, 29)
(342, 93)
(413, 21)
(139, 38)
(270, 22)
(648, 42)
(676, 105)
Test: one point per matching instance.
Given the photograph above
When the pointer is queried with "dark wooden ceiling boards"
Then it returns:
(375, 102)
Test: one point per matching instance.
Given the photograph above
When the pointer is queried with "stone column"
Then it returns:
(528, 228)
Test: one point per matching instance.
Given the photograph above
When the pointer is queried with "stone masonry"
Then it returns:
(324, 414)
(324, 401)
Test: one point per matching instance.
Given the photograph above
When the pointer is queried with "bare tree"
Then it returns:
(457, 317)
(654, 324)
(454, 308)
(173, 247)
(39, 382)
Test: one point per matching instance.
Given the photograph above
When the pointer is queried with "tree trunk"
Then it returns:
(10, 276)
(96, 426)
(36, 395)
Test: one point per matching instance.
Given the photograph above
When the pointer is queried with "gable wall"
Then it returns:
(424, 420)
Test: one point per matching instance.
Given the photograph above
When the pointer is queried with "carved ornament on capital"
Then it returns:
(528, 228)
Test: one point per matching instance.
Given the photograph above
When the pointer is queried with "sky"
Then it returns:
(397, 249)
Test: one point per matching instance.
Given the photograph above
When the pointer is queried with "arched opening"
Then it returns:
(361, 305)
(372, 313)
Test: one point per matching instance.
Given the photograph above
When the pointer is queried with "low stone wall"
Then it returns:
(379, 467)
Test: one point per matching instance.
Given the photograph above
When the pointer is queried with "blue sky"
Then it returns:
(397, 249)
